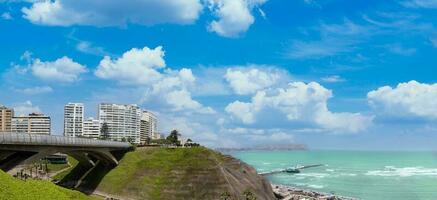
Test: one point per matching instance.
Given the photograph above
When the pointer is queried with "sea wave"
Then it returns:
(316, 186)
(403, 171)
(315, 175)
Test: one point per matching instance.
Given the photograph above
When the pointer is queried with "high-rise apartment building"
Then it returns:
(91, 128)
(122, 121)
(6, 115)
(35, 123)
(148, 126)
(73, 119)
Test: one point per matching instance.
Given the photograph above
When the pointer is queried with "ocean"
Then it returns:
(368, 175)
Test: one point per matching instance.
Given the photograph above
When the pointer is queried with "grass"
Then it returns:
(12, 188)
(73, 162)
(56, 167)
(162, 173)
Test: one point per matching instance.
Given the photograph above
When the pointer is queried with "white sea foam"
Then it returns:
(403, 171)
(315, 175)
(330, 170)
(316, 186)
(348, 174)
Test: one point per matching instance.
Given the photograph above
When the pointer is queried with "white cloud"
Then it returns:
(299, 102)
(6, 16)
(35, 90)
(398, 49)
(112, 13)
(61, 70)
(249, 80)
(190, 128)
(173, 90)
(276, 137)
(87, 47)
(234, 16)
(170, 89)
(26, 108)
(411, 99)
(136, 66)
(265, 136)
(333, 39)
(333, 79)
(420, 3)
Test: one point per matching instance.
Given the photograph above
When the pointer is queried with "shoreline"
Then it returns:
(284, 192)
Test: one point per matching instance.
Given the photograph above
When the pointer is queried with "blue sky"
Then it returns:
(333, 74)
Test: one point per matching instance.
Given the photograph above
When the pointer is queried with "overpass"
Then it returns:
(21, 148)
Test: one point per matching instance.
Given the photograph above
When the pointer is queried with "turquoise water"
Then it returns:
(364, 175)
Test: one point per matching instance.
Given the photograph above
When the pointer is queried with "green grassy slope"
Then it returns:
(188, 173)
(14, 189)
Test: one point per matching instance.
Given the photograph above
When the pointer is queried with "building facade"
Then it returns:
(122, 121)
(73, 119)
(35, 123)
(91, 128)
(6, 115)
(148, 127)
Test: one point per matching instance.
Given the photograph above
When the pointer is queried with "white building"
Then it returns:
(91, 128)
(73, 119)
(32, 124)
(148, 127)
(122, 121)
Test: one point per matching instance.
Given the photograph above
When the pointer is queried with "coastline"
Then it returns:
(284, 192)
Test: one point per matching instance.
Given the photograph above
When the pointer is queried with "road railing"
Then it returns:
(51, 140)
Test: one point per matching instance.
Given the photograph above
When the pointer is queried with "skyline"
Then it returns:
(330, 74)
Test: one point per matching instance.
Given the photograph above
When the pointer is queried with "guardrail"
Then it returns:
(49, 140)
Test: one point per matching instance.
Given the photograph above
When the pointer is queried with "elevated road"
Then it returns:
(21, 149)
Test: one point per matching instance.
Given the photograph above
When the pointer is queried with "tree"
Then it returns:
(188, 143)
(148, 140)
(248, 195)
(131, 140)
(173, 138)
(225, 196)
(104, 131)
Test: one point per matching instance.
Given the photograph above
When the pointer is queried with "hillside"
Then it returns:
(184, 173)
(12, 188)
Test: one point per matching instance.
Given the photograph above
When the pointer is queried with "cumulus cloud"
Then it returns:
(35, 90)
(136, 66)
(173, 90)
(26, 108)
(146, 68)
(61, 70)
(191, 128)
(299, 102)
(234, 16)
(112, 13)
(249, 80)
(411, 99)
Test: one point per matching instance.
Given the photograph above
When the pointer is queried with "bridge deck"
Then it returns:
(50, 140)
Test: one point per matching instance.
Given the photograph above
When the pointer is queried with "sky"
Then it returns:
(331, 74)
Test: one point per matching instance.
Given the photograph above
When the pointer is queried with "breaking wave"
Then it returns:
(403, 171)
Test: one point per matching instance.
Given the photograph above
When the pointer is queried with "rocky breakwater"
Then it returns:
(291, 193)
